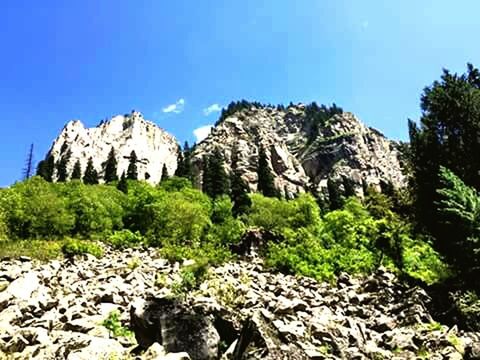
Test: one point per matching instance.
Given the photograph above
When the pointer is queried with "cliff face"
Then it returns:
(306, 149)
(305, 153)
(125, 133)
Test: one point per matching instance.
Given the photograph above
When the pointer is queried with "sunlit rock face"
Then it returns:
(153, 146)
(303, 157)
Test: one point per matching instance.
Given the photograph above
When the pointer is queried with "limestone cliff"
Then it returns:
(125, 133)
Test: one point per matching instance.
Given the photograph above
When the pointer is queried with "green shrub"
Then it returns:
(38, 249)
(179, 218)
(80, 247)
(114, 325)
(191, 278)
(125, 239)
(175, 184)
(35, 209)
(467, 305)
(98, 210)
(422, 262)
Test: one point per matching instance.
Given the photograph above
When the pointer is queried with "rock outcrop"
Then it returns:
(153, 146)
(305, 155)
(58, 310)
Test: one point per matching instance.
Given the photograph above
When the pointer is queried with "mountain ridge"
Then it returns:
(309, 147)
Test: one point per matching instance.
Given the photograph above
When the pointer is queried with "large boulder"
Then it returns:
(174, 326)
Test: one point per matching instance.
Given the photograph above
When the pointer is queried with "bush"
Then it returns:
(98, 210)
(191, 278)
(125, 239)
(35, 209)
(422, 262)
(276, 215)
(114, 325)
(179, 218)
(467, 305)
(79, 247)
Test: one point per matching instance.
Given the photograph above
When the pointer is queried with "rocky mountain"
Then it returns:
(80, 309)
(125, 133)
(307, 146)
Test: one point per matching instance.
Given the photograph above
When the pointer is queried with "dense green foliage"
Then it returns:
(459, 210)
(448, 136)
(80, 247)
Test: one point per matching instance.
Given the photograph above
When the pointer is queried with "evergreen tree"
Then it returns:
(110, 167)
(266, 184)
(184, 165)
(91, 175)
(46, 168)
(62, 166)
(215, 178)
(459, 210)
(123, 184)
(28, 170)
(238, 189)
(77, 171)
(132, 172)
(335, 197)
(206, 175)
(164, 173)
(448, 135)
(180, 170)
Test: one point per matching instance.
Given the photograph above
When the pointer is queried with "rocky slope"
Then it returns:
(241, 311)
(152, 145)
(302, 155)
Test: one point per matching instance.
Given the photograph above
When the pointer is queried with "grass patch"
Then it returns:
(43, 250)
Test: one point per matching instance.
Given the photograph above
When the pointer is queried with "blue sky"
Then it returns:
(91, 59)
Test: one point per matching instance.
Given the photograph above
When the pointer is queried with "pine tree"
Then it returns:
(46, 168)
(265, 177)
(206, 175)
(28, 170)
(216, 182)
(164, 173)
(132, 172)
(335, 198)
(110, 167)
(123, 184)
(91, 175)
(62, 166)
(180, 170)
(184, 165)
(77, 171)
(238, 189)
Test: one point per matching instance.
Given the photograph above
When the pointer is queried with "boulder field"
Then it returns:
(127, 305)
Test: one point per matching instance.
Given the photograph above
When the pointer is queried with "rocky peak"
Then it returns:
(307, 146)
(125, 133)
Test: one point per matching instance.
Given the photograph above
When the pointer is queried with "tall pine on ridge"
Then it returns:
(46, 168)
(28, 170)
(266, 184)
(110, 167)
(91, 175)
(132, 172)
(238, 188)
(77, 171)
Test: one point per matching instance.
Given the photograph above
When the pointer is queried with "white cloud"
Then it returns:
(176, 108)
(202, 132)
(211, 109)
